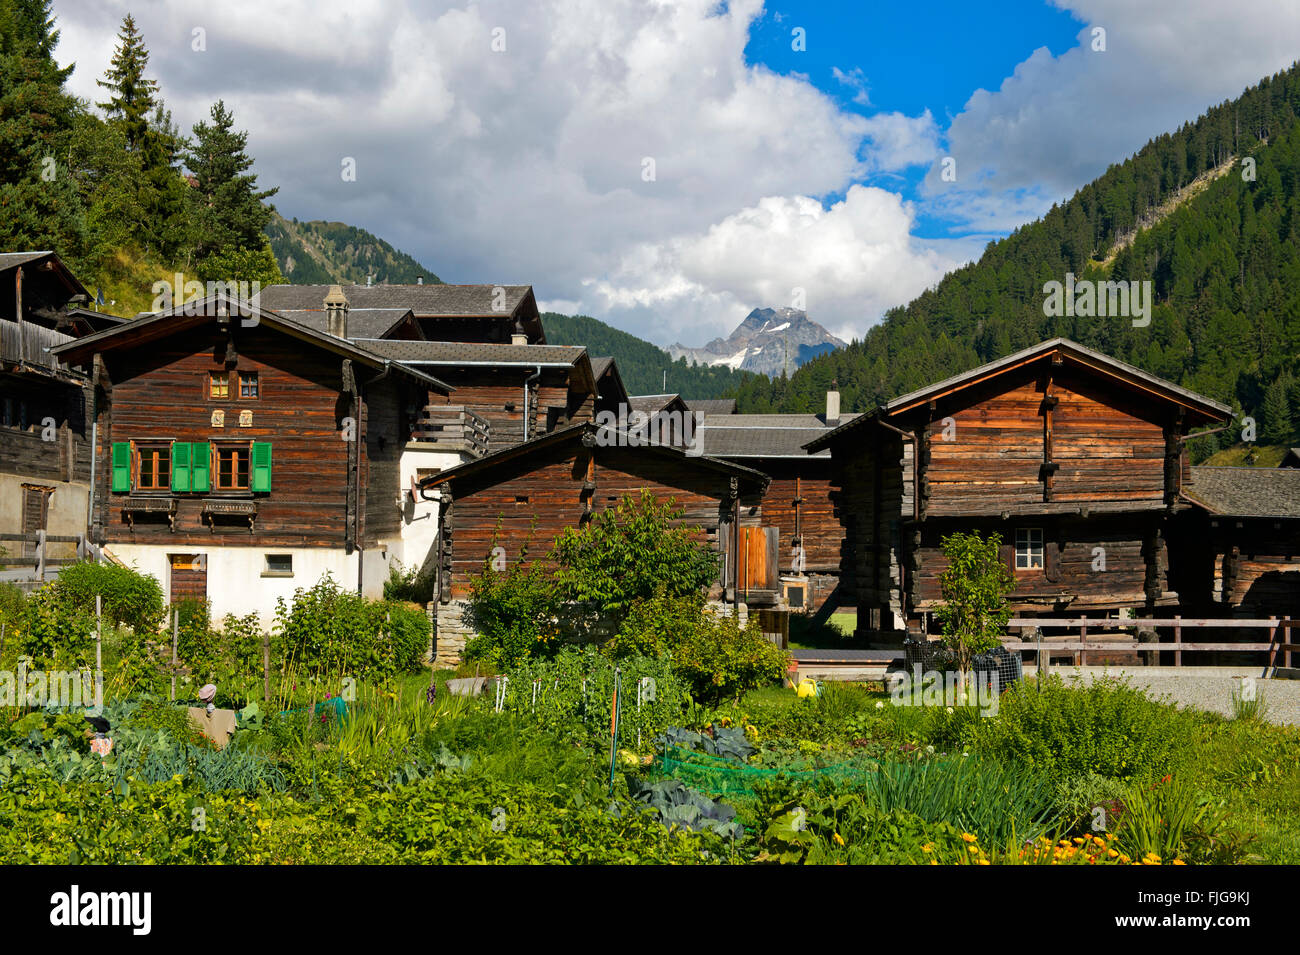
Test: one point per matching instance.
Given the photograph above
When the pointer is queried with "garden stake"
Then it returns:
(176, 622)
(613, 728)
(99, 635)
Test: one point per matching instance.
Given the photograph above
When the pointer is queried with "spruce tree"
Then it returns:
(132, 98)
(227, 209)
(41, 209)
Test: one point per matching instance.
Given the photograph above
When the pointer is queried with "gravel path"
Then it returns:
(1206, 688)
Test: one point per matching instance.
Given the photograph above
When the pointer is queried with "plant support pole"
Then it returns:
(99, 634)
(613, 728)
(176, 623)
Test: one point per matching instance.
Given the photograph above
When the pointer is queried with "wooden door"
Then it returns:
(36, 511)
(189, 577)
(759, 558)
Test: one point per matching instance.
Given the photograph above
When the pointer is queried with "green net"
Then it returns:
(723, 776)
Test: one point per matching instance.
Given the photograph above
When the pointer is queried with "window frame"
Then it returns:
(249, 376)
(214, 376)
(1033, 545)
(236, 447)
(163, 462)
(269, 571)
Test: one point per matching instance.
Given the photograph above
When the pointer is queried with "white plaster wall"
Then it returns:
(235, 574)
(66, 518)
(420, 518)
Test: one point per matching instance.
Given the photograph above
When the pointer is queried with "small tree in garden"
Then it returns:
(975, 585)
(632, 552)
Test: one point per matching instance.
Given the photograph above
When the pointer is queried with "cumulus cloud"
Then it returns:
(1057, 122)
(848, 263)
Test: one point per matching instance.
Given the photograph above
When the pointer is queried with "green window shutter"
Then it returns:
(180, 466)
(261, 460)
(201, 467)
(121, 467)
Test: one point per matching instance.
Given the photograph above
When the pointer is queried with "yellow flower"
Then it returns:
(839, 840)
(1178, 862)
(969, 837)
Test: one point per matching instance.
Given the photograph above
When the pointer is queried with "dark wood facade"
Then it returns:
(528, 495)
(1076, 461)
(299, 395)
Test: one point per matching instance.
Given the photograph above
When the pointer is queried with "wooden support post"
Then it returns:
(99, 635)
(1178, 640)
(176, 625)
(1083, 639)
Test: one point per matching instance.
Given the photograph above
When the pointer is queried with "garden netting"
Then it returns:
(727, 776)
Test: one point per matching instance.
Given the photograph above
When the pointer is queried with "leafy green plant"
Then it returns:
(974, 585)
(514, 613)
(1105, 726)
(633, 551)
(1158, 819)
(676, 806)
(128, 598)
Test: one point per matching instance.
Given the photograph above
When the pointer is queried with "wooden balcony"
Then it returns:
(452, 428)
(26, 344)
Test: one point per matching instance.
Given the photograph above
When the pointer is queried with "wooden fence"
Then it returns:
(1278, 630)
(40, 560)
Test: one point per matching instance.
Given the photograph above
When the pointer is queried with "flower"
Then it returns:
(880, 704)
(969, 837)
(839, 840)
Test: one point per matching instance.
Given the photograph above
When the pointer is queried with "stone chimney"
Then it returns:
(336, 312)
(833, 406)
(519, 336)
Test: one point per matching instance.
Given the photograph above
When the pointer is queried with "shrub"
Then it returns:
(56, 634)
(514, 612)
(720, 660)
(1106, 727)
(129, 599)
(632, 552)
(328, 632)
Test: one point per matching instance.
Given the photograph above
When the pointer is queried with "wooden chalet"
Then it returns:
(44, 409)
(529, 493)
(1244, 540)
(1077, 460)
(241, 454)
(794, 557)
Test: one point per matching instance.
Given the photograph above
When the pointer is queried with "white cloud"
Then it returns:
(855, 80)
(1059, 121)
(850, 262)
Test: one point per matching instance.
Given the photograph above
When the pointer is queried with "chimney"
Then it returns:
(419, 280)
(336, 312)
(519, 336)
(833, 406)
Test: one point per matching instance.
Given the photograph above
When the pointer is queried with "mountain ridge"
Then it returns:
(770, 341)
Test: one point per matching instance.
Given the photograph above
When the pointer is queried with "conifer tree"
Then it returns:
(132, 96)
(227, 209)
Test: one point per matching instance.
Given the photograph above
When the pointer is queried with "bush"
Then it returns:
(1106, 727)
(56, 634)
(128, 598)
(514, 612)
(632, 552)
(329, 632)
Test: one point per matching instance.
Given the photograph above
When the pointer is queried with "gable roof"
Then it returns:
(615, 391)
(50, 262)
(1291, 459)
(362, 322)
(708, 406)
(763, 435)
(579, 432)
(649, 404)
(1246, 492)
(424, 300)
(165, 323)
(1201, 407)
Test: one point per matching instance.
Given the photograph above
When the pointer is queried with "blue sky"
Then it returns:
(669, 165)
(904, 63)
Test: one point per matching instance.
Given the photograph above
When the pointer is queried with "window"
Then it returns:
(232, 467)
(218, 384)
(248, 384)
(278, 565)
(1029, 548)
(154, 467)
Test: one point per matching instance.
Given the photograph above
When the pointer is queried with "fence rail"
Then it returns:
(1277, 642)
(40, 560)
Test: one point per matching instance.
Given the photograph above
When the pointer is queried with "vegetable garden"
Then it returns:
(708, 767)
